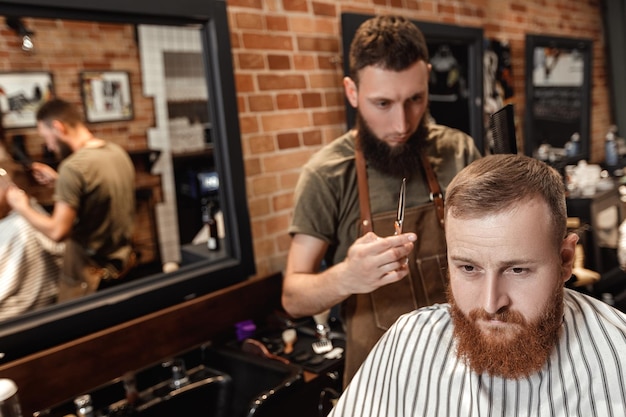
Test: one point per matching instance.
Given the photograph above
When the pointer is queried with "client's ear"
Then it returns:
(568, 254)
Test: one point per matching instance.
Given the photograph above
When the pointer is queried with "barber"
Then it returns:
(94, 200)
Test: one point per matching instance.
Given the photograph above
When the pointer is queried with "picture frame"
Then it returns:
(558, 94)
(106, 96)
(21, 94)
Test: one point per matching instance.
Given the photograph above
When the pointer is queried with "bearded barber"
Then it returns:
(94, 197)
(347, 195)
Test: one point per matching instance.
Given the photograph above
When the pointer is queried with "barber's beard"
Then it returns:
(512, 357)
(63, 150)
(399, 161)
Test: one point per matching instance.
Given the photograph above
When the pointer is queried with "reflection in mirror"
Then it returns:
(180, 130)
(169, 139)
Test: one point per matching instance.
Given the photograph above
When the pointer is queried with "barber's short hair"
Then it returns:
(389, 42)
(61, 110)
(497, 182)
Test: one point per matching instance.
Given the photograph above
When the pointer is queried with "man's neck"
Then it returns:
(85, 139)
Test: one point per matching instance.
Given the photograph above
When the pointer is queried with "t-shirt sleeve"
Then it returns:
(69, 186)
(315, 208)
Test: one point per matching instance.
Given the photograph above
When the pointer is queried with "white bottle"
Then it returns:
(611, 157)
(9, 402)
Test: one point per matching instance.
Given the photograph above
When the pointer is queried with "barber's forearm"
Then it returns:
(44, 223)
(309, 294)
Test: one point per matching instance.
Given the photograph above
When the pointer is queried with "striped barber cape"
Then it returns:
(414, 371)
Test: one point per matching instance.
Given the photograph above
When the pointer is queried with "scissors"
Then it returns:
(400, 214)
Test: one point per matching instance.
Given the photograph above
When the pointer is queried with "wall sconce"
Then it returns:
(17, 25)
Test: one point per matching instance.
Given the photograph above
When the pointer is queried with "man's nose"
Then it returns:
(494, 294)
(400, 120)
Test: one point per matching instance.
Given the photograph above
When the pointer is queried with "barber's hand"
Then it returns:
(44, 174)
(17, 198)
(374, 261)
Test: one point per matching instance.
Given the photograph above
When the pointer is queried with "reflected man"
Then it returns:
(94, 195)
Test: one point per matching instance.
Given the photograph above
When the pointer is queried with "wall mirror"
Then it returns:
(558, 91)
(186, 128)
(456, 83)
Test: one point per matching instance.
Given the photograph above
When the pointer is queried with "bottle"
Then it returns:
(208, 217)
(9, 401)
(611, 157)
(84, 408)
(572, 147)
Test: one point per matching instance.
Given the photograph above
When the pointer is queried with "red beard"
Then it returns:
(516, 356)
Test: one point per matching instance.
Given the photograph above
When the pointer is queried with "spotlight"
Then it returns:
(27, 43)
(17, 25)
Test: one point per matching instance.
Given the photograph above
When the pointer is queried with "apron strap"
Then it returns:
(436, 196)
(364, 191)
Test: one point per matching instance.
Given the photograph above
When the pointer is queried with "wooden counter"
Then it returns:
(54, 375)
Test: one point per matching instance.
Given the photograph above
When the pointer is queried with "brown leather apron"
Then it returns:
(368, 316)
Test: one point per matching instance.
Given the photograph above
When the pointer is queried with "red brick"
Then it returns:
(318, 44)
(262, 144)
(304, 62)
(255, 4)
(324, 9)
(265, 184)
(277, 23)
(287, 101)
(295, 5)
(278, 122)
(281, 82)
(264, 42)
(312, 138)
(250, 61)
(244, 83)
(248, 124)
(288, 140)
(286, 161)
(249, 21)
(279, 62)
(261, 103)
(311, 100)
(327, 118)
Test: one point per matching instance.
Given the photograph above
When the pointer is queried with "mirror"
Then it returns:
(558, 91)
(173, 59)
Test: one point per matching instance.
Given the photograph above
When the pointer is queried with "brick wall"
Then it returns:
(288, 68)
(68, 48)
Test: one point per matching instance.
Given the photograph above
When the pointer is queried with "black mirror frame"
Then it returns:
(530, 130)
(65, 322)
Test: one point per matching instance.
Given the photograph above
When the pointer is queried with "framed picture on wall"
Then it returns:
(21, 94)
(106, 96)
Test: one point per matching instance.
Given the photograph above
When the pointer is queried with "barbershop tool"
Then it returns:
(19, 155)
(257, 348)
(400, 215)
(289, 339)
(322, 329)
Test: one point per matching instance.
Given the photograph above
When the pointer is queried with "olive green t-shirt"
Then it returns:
(326, 196)
(99, 183)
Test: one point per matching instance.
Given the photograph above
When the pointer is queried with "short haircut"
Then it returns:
(61, 110)
(389, 42)
(497, 182)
